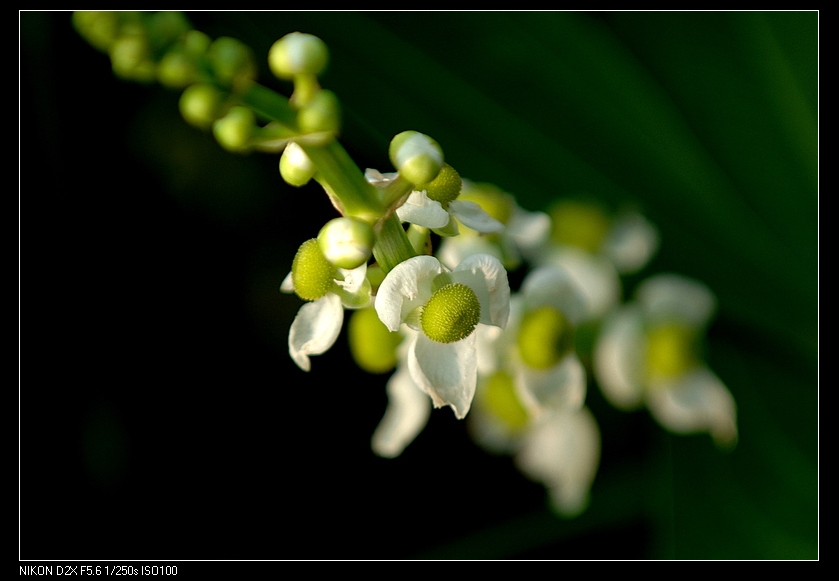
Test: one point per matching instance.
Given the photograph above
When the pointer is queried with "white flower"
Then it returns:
(421, 210)
(543, 320)
(448, 305)
(648, 353)
(318, 323)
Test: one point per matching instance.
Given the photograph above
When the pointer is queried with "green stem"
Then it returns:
(392, 244)
(269, 104)
(340, 176)
(336, 170)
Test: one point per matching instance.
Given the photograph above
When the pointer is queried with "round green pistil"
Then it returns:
(451, 314)
(311, 272)
(501, 399)
(545, 337)
(445, 187)
(671, 351)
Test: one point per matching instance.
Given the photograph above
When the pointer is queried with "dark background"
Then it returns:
(160, 416)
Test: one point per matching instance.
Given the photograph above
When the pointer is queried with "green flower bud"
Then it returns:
(131, 59)
(445, 187)
(417, 157)
(177, 69)
(295, 166)
(346, 242)
(451, 314)
(545, 337)
(312, 275)
(297, 54)
(165, 28)
(671, 351)
(201, 105)
(321, 113)
(373, 346)
(501, 400)
(234, 130)
(195, 43)
(579, 224)
(100, 29)
(232, 62)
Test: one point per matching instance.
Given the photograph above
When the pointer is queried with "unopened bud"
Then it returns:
(297, 54)
(232, 61)
(417, 157)
(346, 242)
(295, 166)
(321, 113)
(234, 130)
(201, 105)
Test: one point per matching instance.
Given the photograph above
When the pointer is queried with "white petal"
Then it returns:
(355, 287)
(315, 329)
(406, 415)
(377, 178)
(421, 210)
(619, 358)
(670, 295)
(406, 287)
(552, 285)
(446, 371)
(563, 452)
(631, 242)
(561, 388)
(698, 402)
(473, 216)
(595, 276)
(530, 230)
(485, 275)
(455, 249)
(287, 286)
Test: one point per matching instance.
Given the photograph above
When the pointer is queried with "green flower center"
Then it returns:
(494, 202)
(671, 351)
(502, 401)
(545, 337)
(445, 187)
(451, 314)
(579, 224)
(312, 274)
(372, 345)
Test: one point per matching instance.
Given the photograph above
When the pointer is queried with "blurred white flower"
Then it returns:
(596, 248)
(648, 352)
(531, 391)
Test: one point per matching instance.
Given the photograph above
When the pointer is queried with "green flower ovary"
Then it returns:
(545, 337)
(445, 187)
(579, 224)
(372, 345)
(451, 314)
(501, 399)
(311, 272)
(671, 350)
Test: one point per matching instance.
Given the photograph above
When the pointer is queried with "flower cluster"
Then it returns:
(421, 256)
